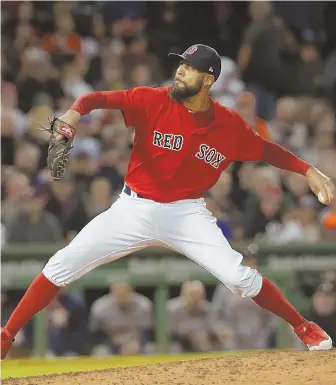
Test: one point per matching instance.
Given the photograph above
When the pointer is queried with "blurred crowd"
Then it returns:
(279, 72)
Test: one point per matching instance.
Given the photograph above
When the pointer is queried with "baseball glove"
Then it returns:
(59, 150)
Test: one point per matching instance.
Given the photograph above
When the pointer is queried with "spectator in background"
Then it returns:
(329, 78)
(91, 44)
(122, 321)
(307, 223)
(87, 140)
(34, 224)
(258, 57)
(323, 140)
(35, 134)
(65, 103)
(98, 200)
(10, 61)
(60, 9)
(27, 159)
(242, 183)
(284, 127)
(112, 78)
(296, 185)
(120, 10)
(297, 225)
(63, 198)
(9, 104)
(163, 30)
(25, 37)
(64, 39)
(37, 77)
(246, 107)
(219, 202)
(302, 65)
(220, 192)
(84, 167)
(113, 166)
(238, 322)
(68, 333)
(116, 142)
(7, 139)
(268, 213)
(266, 202)
(20, 28)
(317, 109)
(228, 85)
(109, 56)
(141, 76)
(73, 82)
(16, 192)
(310, 70)
(137, 56)
(22, 14)
(189, 319)
(126, 19)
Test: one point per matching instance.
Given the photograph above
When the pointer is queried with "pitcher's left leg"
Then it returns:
(192, 230)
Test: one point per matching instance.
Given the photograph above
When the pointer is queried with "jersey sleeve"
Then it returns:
(278, 156)
(252, 147)
(136, 103)
(132, 102)
(249, 144)
(99, 100)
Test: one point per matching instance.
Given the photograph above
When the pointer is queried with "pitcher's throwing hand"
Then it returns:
(321, 185)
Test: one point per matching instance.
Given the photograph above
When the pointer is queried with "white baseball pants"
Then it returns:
(134, 223)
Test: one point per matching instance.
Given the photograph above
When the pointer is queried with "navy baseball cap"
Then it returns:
(203, 58)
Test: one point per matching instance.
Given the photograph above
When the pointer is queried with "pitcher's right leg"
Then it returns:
(124, 228)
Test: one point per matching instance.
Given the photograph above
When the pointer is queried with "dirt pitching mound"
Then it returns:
(259, 368)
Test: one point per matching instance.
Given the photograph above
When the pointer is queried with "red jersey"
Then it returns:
(177, 154)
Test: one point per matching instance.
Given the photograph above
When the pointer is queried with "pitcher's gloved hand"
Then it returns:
(60, 144)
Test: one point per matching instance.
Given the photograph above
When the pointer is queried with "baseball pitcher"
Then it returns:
(183, 141)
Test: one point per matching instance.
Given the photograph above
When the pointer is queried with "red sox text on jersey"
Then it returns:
(170, 141)
(175, 142)
(210, 155)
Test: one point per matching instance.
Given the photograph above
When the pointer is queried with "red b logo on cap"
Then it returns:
(192, 50)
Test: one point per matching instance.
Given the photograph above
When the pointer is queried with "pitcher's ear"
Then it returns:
(209, 80)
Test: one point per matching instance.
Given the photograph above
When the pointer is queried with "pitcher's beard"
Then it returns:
(181, 94)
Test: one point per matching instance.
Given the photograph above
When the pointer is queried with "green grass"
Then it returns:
(36, 367)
